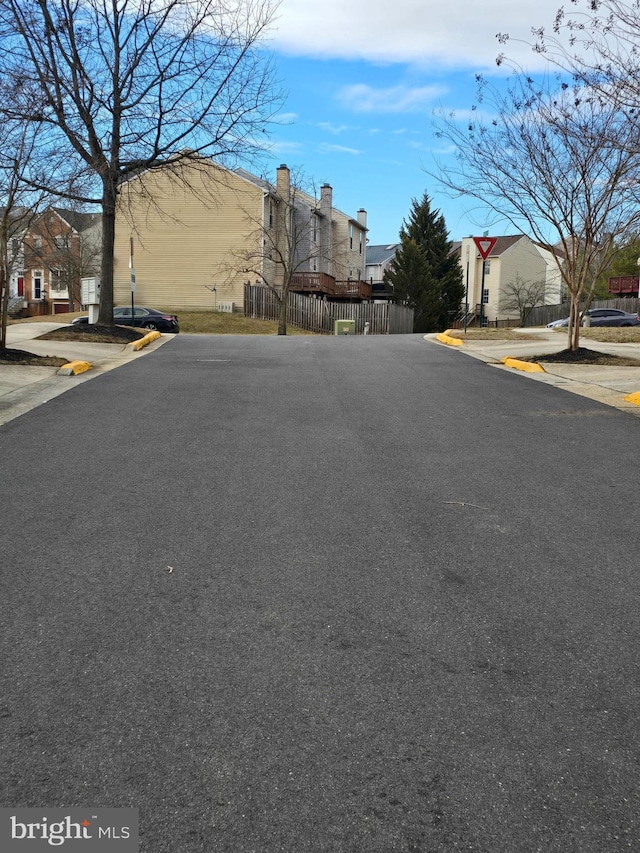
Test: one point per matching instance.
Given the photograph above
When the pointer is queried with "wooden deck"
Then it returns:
(326, 285)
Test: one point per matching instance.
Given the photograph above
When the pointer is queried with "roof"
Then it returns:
(76, 220)
(380, 254)
(501, 246)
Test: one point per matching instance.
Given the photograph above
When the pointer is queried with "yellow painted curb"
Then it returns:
(444, 338)
(152, 336)
(72, 368)
(633, 398)
(527, 366)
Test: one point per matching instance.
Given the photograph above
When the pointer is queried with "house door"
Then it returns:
(20, 285)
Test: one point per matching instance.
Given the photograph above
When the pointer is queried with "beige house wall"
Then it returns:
(523, 259)
(187, 237)
(349, 248)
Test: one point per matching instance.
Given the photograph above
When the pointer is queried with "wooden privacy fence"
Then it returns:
(319, 315)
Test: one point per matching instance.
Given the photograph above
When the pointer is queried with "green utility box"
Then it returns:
(344, 327)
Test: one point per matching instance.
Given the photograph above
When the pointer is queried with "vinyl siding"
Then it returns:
(189, 237)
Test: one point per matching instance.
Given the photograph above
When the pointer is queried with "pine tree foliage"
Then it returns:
(424, 274)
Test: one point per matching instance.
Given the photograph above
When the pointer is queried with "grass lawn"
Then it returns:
(630, 335)
(195, 322)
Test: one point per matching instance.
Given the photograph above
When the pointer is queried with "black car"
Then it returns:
(610, 317)
(143, 318)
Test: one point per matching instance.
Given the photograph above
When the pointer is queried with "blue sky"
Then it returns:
(362, 82)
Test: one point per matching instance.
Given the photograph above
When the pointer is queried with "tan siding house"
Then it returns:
(187, 237)
(512, 258)
(213, 230)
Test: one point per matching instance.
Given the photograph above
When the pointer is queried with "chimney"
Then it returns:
(283, 182)
(326, 224)
(362, 217)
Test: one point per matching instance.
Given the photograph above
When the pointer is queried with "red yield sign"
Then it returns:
(485, 245)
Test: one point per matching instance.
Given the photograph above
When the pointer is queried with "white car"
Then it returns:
(555, 323)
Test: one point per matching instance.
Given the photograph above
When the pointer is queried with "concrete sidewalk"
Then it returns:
(608, 385)
(23, 388)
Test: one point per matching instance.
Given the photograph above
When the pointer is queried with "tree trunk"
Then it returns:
(4, 286)
(574, 323)
(109, 194)
(282, 322)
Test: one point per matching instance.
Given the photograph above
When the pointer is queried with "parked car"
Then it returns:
(143, 318)
(611, 317)
(602, 317)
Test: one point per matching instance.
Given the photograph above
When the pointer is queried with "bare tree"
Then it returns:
(293, 240)
(555, 164)
(597, 43)
(18, 204)
(136, 85)
(522, 296)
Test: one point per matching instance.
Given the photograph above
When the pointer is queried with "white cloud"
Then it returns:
(286, 118)
(395, 99)
(334, 129)
(422, 32)
(325, 148)
(282, 148)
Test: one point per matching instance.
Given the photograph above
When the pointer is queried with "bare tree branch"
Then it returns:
(557, 166)
(136, 85)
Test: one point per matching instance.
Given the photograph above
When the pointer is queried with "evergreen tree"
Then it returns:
(433, 286)
(412, 284)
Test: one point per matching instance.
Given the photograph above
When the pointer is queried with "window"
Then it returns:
(37, 242)
(270, 213)
(485, 296)
(61, 241)
(37, 285)
(487, 267)
(361, 242)
(58, 280)
(351, 236)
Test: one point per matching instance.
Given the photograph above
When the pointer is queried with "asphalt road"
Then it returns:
(356, 595)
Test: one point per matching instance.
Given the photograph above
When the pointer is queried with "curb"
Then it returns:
(527, 366)
(73, 368)
(444, 338)
(143, 342)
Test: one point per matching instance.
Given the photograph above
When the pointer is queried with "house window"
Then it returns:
(58, 280)
(37, 285)
(37, 242)
(361, 242)
(15, 246)
(270, 213)
(351, 236)
(485, 296)
(487, 267)
(61, 241)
